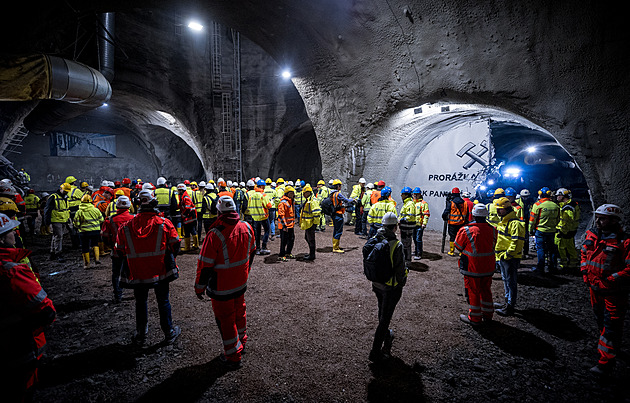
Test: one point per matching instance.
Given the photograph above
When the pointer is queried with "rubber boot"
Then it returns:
(86, 260)
(97, 255)
(103, 250)
(451, 252)
(186, 247)
(195, 242)
(336, 247)
(179, 231)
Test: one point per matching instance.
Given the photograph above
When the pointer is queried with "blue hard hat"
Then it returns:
(406, 189)
(490, 193)
(302, 183)
(416, 190)
(386, 191)
(544, 191)
(510, 192)
(261, 182)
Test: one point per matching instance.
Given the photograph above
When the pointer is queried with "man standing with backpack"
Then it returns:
(384, 265)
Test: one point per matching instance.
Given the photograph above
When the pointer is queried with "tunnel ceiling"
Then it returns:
(561, 65)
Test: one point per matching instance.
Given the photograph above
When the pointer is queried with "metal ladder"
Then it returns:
(13, 141)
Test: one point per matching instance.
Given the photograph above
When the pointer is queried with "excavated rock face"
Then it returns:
(560, 65)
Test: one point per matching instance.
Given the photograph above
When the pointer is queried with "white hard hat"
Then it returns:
(290, 183)
(202, 184)
(330, 182)
(123, 202)
(226, 204)
(389, 219)
(370, 185)
(147, 186)
(362, 180)
(610, 210)
(250, 183)
(6, 190)
(209, 186)
(242, 184)
(181, 186)
(104, 183)
(480, 210)
(466, 194)
(273, 184)
(161, 181)
(220, 180)
(145, 196)
(524, 193)
(563, 192)
(7, 224)
(257, 179)
(229, 184)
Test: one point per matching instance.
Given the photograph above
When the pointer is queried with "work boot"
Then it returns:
(336, 247)
(466, 319)
(186, 247)
(230, 365)
(451, 251)
(387, 345)
(309, 258)
(172, 335)
(86, 260)
(97, 255)
(507, 311)
(498, 305)
(195, 242)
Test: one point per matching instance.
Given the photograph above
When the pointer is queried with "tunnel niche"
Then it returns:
(298, 156)
(440, 146)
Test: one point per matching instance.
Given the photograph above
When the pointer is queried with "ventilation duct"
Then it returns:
(51, 79)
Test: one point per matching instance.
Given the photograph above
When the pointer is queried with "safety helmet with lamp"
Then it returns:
(545, 191)
(609, 210)
(563, 192)
(123, 202)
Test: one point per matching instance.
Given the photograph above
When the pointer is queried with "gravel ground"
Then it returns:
(311, 325)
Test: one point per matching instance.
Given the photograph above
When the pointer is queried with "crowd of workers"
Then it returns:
(143, 225)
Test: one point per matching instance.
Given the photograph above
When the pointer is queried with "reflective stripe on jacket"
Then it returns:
(145, 241)
(60, 212)
(286, 213)
(544, 216)
(310, 213)
(88, 218)
(224, 262)
(408, 215)
(458, 214)
(476, 243)
(422, 212)
(378, 210)
(511, 237)
(187, 208)
(606, 261)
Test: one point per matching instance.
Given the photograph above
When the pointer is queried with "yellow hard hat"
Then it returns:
(268, 181)
(502, 202)
(321, 182)
(71, 179)
(307, 188)
(139, 180)
(193, 183)
(84, 184)
(289, 189)
(119, 192)
(66, 186)
(279, 181)
(499, 192)
(211, 181)
(86, 199)
(336, 182)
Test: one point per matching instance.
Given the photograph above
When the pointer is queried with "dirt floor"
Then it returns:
(310, 327)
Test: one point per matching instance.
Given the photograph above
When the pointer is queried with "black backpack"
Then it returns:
(378, 259)
(327, 206)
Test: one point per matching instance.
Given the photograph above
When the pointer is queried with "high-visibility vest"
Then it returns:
(458, 214)
(511, 238)
(569, 217)
(298, 199)
(338, 207)
(146, 254)
(366, 200)
(323, 193)
(378, 210)
(257, 206)
(493, 217)
(476, 243)
(272, 195)
(286, 213)
(60, 212)
(310, 213)
(74, 197)
(408, 215)
(606, 258)
(88, 218)
(32, 202)
(376, 194)
(208, 199)
(544, 216)
(163, 196)
(197, 199)
(422, 212)
(223, 263)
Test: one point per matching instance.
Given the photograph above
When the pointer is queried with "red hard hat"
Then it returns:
(117, 183)
(126, 181)
(31, 191)
(186, 182)
(138, 186)
(381, 183)
(455, 190)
